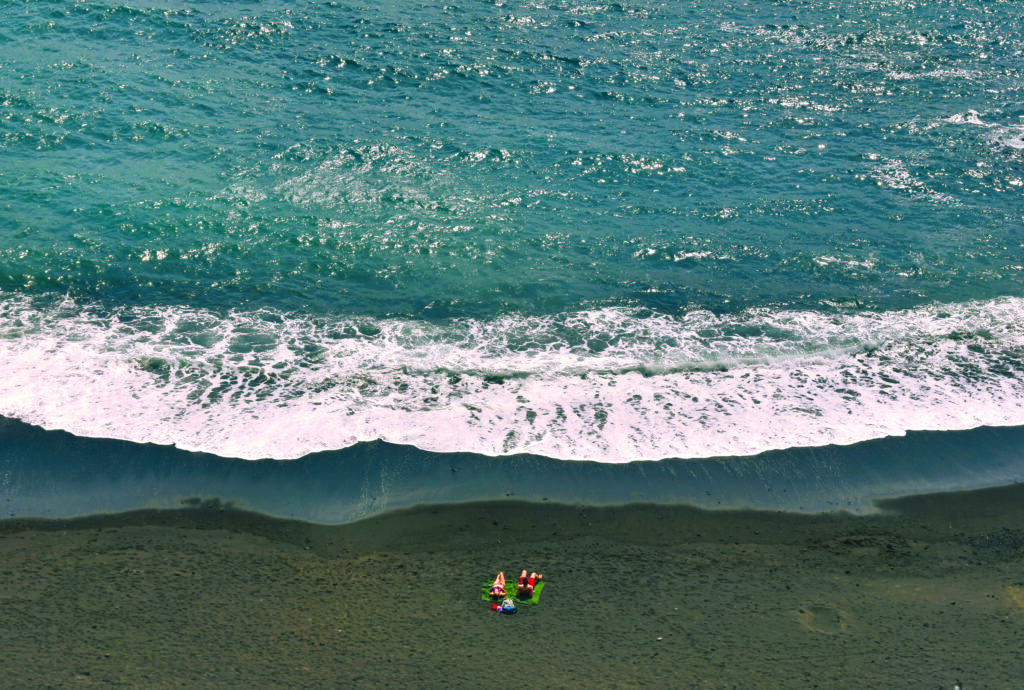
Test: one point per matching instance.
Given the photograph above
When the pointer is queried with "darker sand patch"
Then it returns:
(823, 619)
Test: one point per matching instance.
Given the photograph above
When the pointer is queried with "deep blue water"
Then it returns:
(604, 231)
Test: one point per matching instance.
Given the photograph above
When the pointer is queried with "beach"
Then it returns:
(928, 592)
(315, 316)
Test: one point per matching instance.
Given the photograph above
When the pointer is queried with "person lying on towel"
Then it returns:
(498, 588)
(526, 584)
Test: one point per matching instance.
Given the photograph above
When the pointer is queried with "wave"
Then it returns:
(607, 385)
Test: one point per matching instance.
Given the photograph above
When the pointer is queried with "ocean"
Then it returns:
(670, 232)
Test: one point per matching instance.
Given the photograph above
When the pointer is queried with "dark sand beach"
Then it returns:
(928, 593)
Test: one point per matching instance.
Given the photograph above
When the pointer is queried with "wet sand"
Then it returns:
(928, 594)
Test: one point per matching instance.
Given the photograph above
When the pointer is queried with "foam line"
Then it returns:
(610, 385)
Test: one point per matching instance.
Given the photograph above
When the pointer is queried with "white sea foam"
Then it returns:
(609, 385)
(1011, 136)
(894, 174)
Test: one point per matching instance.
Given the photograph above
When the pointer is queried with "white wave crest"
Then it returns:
(1011, 136)
(610, 385)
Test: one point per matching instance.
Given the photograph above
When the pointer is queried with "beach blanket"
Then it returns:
(510, 588)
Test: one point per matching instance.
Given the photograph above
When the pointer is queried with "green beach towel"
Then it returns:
(510, 592)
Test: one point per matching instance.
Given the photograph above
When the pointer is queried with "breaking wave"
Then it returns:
(608, 385)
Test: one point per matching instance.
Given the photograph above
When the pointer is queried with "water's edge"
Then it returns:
(53, 474)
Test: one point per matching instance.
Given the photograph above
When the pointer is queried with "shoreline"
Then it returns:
(132, 565)
(53, 474)
(927, 592)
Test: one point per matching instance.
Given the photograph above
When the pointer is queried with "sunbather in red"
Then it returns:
(526, 585)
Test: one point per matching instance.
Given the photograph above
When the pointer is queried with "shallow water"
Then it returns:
(56, 475)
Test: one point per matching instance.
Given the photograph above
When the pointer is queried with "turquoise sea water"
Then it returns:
(601, 231)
